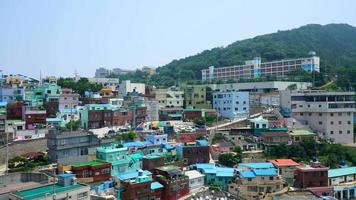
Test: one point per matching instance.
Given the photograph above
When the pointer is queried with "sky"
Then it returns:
(59, 37)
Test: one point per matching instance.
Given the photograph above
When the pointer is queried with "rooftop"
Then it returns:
(301, 132)
(43, 190)
(133, 175)
(341, 172)
(219, 171)
(156, 185)
(192, 174)
(261, 165)
(168, 168)
(89, 163)
(258, 172)
(284, 162)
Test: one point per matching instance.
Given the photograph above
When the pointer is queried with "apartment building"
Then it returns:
(192, 153)
(343, 181)
(330, 114)
(68, 99)
(170, 97)
(255, 69)
(231, 104)
(196, 96)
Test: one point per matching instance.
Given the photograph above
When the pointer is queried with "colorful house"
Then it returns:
(92, 171)
(121, 162)
(217, 176)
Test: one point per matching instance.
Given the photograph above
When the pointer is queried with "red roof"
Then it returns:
(32, 154)
(284, 162)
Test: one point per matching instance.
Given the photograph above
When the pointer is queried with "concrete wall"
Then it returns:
(21, 147)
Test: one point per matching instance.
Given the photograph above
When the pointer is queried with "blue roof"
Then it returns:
(68, 110)
(341, 172)
(66, 175)
(168, 147)
(265, 172)
(156, 185)
(205, 165)
(262, 165)
(212, 169)
(132, 175)
(3, 103)
(202, 142)
(247, 174)
(137, 144)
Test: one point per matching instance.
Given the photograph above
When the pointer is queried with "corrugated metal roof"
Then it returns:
(341, 172)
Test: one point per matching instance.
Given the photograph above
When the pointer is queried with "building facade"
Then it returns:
(330, 114)
(171, 97)
(195, 96)
(231, 104)
(197, 152)
(255, 69)
(127, 86)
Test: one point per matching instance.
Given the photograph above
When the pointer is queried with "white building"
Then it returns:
(231, 104)
(170, 97)
(330, 114)
(127, 86)
(196, 179)
(152, 110)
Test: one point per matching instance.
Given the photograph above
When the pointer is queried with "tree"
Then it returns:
(126, 137)
(238, 153)
(228, 159)
(199, 121)
(73, 125)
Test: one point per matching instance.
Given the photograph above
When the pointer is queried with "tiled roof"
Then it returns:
(284, 162)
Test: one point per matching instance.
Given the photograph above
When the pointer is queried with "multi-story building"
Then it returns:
(195, 96)
(176, 184)
(33, 117)
(139, 185)
(255, 183)
(11, 94)
(214, 175)
(285, 169)
(104, 72)
(193, 153)
(231, 104)
(127, 86)
(170, 113)
(112, 83)
(343, 181)
(157, 138)
(120, 160)
(14, 110)
(330, 114)
(101, 115)
(152, 110)
(196, 180)
(192, 114)
(92, 171)
(255, 69)
(69, 147)
(68, 99)
(313, 177)
(171, 97)
(66, 188)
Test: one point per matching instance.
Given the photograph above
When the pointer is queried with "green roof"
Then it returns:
(301, 133)
(42, 191)
(136, 156)
(341, 172)
(89, 163)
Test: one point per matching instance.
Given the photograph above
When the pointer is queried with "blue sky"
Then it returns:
(61, 36)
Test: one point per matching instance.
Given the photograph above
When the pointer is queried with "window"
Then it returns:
(105, 171)
(340, 114)
(320, 114)
(301, 114)
(340, 132)
(244, 108)
(340, 122)
(319, 106)
(249, 179)
(83, 195)
(331, 122)
(348, 114)
(244, 102)
(271, 178)
(237, 102)
(236, 109)
(310, 114)
(320, 122)
(348, 122)
(332, 114)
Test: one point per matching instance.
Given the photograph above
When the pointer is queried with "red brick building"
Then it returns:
(313, 177)
(191, 136)
(140, 115)
(176, 184)
(121, 117)
(34, 118)
(95, 171)
(152, 162)
(52, 107)
(14, 110)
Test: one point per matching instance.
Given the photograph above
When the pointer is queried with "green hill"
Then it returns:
(335, 44)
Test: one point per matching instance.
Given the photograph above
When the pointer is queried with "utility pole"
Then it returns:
(7, 153)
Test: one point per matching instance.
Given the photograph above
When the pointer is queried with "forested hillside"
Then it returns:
(335, 44)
